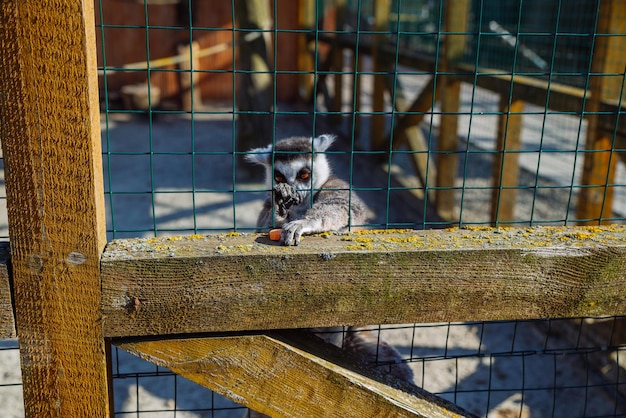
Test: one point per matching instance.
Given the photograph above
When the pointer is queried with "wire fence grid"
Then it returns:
(173, 117)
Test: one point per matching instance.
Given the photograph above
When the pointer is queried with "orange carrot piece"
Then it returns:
(275, 234)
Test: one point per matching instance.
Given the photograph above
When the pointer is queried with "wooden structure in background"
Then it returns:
(126, 56)
(72, 296)
(601, 105)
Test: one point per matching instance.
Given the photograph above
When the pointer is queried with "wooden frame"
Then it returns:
(72, 296)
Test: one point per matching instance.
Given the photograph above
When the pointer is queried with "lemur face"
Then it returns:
(290, 161)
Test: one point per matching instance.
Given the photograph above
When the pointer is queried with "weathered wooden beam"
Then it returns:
(290, 374)
(231, 283)
(7, 319)
(51, 145)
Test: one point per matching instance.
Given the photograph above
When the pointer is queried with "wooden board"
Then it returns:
(245, 282)
(52, 153)
(290, 375)
(7, 319)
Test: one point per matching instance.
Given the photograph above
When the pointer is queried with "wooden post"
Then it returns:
(51, 143)
(337, 64)
(506, 161)
(377, 127)
(456, 12)
(306, 20)
(254, 86)
(189, 90)
(595, 199)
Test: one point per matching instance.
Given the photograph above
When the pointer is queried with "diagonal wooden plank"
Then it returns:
(289, 374)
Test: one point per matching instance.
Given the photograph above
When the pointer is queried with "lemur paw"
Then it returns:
(292, 231)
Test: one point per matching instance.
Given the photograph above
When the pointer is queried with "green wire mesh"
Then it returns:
(548, 41)
(170, 170)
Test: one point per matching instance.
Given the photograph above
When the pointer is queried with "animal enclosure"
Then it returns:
(487, 139)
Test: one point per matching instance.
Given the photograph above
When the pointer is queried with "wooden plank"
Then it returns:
(7, 319)
(595, 198)
(52, 152)
(506, 161)
(290, 375)
(246, 282)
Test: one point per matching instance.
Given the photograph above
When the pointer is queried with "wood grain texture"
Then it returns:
(51, 145)
(290, 375)
(7, 319)
(230, 283)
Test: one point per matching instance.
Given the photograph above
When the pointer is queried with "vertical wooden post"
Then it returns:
(595, 199)
(188, 79)
(456, 14)
(355, 98)
(51, 143)
(306, 20)
(506, 161)
(255, 85)
(377, 127)
(337, 63)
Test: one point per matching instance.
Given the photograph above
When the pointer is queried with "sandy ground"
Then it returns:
(160, 186)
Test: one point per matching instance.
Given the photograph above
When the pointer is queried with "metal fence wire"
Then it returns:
(457, 113)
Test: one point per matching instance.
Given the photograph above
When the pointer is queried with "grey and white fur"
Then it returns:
(305, 198)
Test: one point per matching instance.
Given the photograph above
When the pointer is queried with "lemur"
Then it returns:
(305, 198)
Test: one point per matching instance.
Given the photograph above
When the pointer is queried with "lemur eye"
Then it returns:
(278, 177)
(304, 174)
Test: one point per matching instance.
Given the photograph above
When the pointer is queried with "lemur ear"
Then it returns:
(323, 142)
(259, 155)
